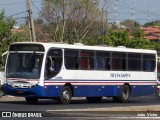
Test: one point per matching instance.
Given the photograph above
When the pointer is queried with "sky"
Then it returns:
(18, 8)
(140, 10)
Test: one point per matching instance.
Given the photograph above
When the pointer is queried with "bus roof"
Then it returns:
(85, 47)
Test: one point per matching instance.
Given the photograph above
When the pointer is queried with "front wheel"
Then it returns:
(31, 100)
(66, 95)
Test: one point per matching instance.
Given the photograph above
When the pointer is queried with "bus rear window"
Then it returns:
(149, 62)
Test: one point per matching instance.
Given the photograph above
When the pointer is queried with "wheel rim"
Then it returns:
(66, 95)
(125, 94)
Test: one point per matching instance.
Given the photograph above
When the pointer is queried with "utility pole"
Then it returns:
(31, 24)
(115, 10)
(149, 11)
(133, 10)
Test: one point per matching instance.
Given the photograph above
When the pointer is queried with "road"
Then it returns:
(146, 106)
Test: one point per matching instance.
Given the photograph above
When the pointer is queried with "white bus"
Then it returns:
(62, 71)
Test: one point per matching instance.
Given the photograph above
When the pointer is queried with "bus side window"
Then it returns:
(148, 62)
(108, 63)
(84, 63)
(98, 64)
(148, 66)
(87, 60)
(83, 60)
(53, 62)
(89, 64)
(118, 61)
(115, 61)
(102, 59)
(71, 59)
(134, 62)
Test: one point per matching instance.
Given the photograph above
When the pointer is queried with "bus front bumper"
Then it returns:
(36, 91)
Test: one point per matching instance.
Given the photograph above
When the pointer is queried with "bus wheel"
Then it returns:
(66, 95)
(124, 95)
(31, 100)
(94, 99)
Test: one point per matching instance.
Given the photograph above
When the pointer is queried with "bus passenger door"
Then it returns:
(53, 63)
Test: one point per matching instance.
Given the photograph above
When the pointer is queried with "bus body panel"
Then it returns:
(142, 90)
(96, 90)
(79, 91)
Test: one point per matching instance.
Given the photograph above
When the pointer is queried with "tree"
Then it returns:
(137, 33)
(22, 35)
(122, 38)
(130, 24)
(116, 38)
(70, 19)
(6, 25)
(112, 39)
(153, 23)
(41, 30)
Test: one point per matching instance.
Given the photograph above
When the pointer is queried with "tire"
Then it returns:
(31, 100)
(94, 99)
(124, 95)
(66, 95)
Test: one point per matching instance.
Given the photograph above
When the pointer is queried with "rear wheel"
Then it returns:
(66, 95)
(31, 100)
(94, 99)
(124, 95)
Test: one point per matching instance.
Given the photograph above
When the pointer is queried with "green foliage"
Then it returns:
(123, 39)
(139, 43)
(5, 32)
(130, 24)
(118, 39)
(111, 39)
(6, 24)
(19, 37)
(153, 23)
(137, 33)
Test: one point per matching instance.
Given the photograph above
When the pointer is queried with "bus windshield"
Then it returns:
(24, 65)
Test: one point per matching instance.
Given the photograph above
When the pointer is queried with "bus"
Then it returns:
(57, 71)
(158, 79)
